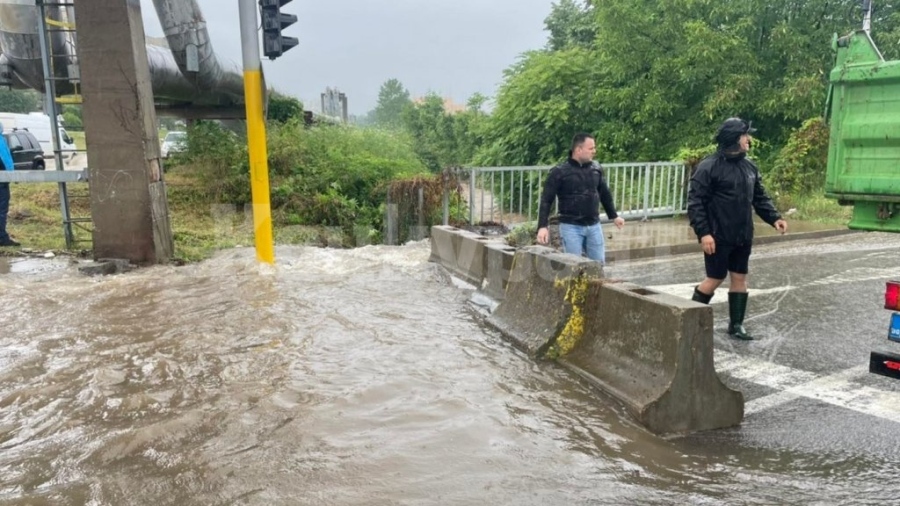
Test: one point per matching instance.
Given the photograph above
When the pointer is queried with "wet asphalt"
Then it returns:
(816, 310)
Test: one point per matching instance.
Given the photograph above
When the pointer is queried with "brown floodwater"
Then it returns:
(345, 377)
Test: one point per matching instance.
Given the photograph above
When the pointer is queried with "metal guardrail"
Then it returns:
(510, 195)
(44, 176)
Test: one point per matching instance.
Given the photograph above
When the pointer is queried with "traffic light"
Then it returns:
(273, 21)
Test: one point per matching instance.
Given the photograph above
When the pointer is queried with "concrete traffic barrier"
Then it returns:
(539, 297)
(652, 351)
(459, 251)
(498, 260)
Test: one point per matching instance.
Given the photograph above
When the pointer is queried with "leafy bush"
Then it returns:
(72, 120)
(326, 176)
(282, 109)
(218, 159)
(800, 167)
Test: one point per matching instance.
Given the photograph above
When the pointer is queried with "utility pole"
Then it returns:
(256, 133)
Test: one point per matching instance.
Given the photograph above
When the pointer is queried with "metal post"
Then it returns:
(420, 211)
(472, 197)
(391, 216)
(867, 19)
(50, 98)
(256, 133)
(646, 190)
(502, 189)
(445, 198)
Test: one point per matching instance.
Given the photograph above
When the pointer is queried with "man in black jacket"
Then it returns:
(579, 185)
(725, 190)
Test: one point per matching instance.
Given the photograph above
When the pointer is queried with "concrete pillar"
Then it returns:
(128, 195)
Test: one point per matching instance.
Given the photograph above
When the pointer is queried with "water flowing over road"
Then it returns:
(345, 377)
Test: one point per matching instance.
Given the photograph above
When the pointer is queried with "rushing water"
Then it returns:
(345, 377)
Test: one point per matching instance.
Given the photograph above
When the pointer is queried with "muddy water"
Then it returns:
(340, 377)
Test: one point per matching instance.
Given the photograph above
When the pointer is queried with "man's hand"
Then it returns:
(543, 236)
(781, 226)
(709, 244)
(620, 222)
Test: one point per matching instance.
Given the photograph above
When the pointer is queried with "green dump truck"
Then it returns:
(864, 157)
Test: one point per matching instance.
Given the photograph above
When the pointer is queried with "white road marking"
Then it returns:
(687, 291)
(837, 389)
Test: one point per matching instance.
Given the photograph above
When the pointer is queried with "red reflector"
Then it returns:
(892, 296)
(892, 365)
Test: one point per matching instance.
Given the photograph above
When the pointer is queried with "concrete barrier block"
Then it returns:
(537, 307)
(499, 263)
(459, 251)
(654, 352)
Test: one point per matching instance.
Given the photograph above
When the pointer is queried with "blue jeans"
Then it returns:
(4, 210)
(578, 239)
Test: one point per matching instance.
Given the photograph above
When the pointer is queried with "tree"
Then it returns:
(545, 98)
(393, 98)
(662, 74)
(72, 117)
(20, 101)
(283, 108)
(570, 23)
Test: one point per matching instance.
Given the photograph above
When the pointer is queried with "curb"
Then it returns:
(693, 247)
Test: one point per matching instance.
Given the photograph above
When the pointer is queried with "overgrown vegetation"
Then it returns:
(328, 183)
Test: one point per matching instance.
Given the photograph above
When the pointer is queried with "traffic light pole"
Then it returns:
(256, 133)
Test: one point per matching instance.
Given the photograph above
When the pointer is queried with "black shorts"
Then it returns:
(727, 258)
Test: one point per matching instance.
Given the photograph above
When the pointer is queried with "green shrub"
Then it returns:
(328, 176)
(800, 167)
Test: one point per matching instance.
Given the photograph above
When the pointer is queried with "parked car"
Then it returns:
(26, 151)
(175, 142)
(39, 124)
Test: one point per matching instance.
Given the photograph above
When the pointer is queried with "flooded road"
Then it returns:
(345, 377)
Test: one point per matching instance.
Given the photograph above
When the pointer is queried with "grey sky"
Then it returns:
(451, 47)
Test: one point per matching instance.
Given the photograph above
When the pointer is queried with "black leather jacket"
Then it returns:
(580, 188)
(723, 194)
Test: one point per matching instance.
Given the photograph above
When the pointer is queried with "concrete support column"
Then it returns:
(128, 195)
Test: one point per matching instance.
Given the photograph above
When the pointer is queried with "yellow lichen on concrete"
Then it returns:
(576, 293)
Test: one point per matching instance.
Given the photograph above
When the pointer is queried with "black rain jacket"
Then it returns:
(723, 194)
(580, 188)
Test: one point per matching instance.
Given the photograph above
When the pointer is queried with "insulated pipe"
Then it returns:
(20, 44)
(188, 74)
(185, 29)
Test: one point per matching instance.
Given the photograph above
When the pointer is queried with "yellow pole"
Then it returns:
(256, 134)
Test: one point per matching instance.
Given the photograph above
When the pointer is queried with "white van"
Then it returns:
(38, 124)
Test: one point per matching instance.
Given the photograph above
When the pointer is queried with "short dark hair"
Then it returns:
(579, 139)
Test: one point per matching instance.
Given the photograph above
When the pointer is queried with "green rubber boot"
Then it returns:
(737, 308)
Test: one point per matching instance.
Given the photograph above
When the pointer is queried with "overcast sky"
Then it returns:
(451, 47)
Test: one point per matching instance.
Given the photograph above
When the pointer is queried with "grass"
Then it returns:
(35, 218)
(199, 227)
(78, 137)
(815, 208)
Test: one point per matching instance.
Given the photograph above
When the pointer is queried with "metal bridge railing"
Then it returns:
(510, 195)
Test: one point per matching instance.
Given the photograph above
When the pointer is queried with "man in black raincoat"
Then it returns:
(725, 190)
